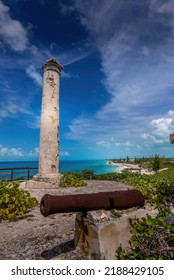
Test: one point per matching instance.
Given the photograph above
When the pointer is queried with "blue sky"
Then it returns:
(117, 87)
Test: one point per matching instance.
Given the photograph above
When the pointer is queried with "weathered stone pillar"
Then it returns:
(49, 128)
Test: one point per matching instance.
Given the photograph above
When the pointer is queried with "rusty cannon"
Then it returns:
(119, 200)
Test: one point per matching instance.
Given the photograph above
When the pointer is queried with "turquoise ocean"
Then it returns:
(98, 166)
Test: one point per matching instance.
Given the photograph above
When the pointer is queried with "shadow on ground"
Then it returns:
(59, 249)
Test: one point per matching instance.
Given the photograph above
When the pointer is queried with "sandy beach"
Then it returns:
(132, 167)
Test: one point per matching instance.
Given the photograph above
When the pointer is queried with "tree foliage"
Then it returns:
(88, 174)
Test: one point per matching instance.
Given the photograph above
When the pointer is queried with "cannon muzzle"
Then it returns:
(120, 200)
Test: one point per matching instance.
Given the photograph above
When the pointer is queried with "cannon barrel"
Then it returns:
(125, 199)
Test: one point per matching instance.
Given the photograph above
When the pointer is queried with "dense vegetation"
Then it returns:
(14, 202)
(152, 239)
(158, 189)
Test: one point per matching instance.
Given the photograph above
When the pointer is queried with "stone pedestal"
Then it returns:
(48, 183)
(98, 234)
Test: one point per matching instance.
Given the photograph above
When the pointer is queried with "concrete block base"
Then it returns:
(98, 234)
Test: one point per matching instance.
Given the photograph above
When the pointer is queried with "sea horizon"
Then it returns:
(100, 166)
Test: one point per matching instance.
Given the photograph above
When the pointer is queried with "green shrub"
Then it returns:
(13, 201)
(156, 163)
(152, 239)
(116, 213)
(87, 174)
(71, 179)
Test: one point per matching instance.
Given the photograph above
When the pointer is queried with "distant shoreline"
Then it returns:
(133, 168)
(130, 167)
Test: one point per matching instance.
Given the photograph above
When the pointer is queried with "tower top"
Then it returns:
(52, 64)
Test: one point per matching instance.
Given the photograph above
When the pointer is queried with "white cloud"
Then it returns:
(34, 152)
(68, 75)
(159, 130)
(159, 6)
(151, 139)
(12, 32)
(10, 108)
(171, 114)
(10, 100)
(64, 153)
(145, 136)
(80, 128)
(66, 9)
(18, 152)
(162, 126)
(33, 121)
(5, 151)
(112, 144)
(103, 143)
(36, 76)
(145, 50)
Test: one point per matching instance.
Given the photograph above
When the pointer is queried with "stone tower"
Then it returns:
(48, 173)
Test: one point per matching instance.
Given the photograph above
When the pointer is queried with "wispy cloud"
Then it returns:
(135, 43)
(32, 121)
(12, 32)
(112, 143)
(34, 152)
(15, 37)
(10, 100)
(64, 153)
(36, 76)
(132, 78)
(68, 75)
(66, 9)
(10, 108)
